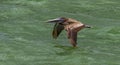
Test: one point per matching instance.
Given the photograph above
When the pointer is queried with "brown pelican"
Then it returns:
(72, 26)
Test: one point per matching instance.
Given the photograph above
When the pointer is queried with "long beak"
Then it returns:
(87, 26)
(54, 20)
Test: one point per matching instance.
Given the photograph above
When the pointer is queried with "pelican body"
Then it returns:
(72, 27)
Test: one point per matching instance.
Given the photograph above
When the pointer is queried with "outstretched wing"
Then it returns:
(73, 38)
(57, 30)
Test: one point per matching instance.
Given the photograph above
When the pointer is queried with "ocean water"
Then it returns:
(25, 37)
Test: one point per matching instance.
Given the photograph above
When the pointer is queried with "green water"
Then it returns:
(25, 38)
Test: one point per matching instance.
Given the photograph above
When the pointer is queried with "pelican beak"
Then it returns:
(54, 20)
(87, 26)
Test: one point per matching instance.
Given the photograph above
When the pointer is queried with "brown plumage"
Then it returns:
(70, 25)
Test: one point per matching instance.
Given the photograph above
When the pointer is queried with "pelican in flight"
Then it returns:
(71, 26)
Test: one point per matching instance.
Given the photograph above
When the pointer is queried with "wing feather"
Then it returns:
(57, 30)
(73, 38)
